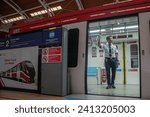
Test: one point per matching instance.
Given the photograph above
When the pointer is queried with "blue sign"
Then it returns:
(37, 38)
(4, 43)
(22, 40)
(26, 40)
(53, 36)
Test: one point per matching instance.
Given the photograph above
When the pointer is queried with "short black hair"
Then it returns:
(108, 37)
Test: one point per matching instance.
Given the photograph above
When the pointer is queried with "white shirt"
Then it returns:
(114, 50)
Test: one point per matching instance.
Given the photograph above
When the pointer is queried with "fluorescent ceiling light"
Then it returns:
(39, 12)
(12, 19)
(45, 11)
(128, 27)
(8, 20)
(3, 22)
(117, 28)
(96, 31)
(54, 9)
(32, 14)
(35, 13)
(59, 7)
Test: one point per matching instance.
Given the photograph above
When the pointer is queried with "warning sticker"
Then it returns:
(52, 55)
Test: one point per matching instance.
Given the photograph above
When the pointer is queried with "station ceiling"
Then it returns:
(14, 12)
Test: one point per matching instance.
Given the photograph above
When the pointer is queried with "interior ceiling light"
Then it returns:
(96, 31)
(128, 27)
(117, 28)
(44, 11)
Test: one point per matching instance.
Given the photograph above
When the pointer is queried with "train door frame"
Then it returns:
(86, 59)
(139, 41)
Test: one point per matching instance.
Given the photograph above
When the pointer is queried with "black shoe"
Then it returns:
(113, 86)
(108, 87)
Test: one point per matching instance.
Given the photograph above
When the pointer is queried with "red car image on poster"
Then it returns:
(22, 72)
(19, 68)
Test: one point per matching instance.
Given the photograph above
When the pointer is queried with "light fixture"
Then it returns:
(96, 31)
(45, 11)
(128, 27)
(32, 15)
(116, 28)
(12, 19)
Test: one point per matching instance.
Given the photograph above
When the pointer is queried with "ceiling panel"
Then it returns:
(30, 6)
(67, 6)
(92, 3)
(27, 4)
(5, 9)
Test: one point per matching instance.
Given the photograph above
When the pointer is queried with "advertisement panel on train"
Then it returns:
(18, 68)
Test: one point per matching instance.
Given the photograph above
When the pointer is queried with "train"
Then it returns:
(22, 72)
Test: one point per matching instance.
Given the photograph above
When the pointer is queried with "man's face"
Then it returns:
(109, 40)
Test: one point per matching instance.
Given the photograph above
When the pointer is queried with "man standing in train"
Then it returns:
(111, 60)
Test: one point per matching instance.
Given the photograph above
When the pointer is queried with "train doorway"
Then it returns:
(126, 38)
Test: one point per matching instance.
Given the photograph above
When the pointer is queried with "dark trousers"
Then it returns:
(110, 65)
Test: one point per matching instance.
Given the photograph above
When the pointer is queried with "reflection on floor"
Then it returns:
(16, 95)
(120, 90)
(94, 87)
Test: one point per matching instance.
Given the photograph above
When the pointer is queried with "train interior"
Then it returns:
(125, 32)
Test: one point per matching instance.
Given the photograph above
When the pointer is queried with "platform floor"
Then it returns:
(17, 95)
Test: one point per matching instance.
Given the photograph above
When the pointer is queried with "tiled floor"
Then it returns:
(128, 90)
(120, 90)
(16, 95)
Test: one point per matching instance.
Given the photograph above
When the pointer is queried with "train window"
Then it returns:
(14, 69)
(3, 74)
(20, 65)
(8, 71)
(134, 56)
(73, 41)
(29, 64)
